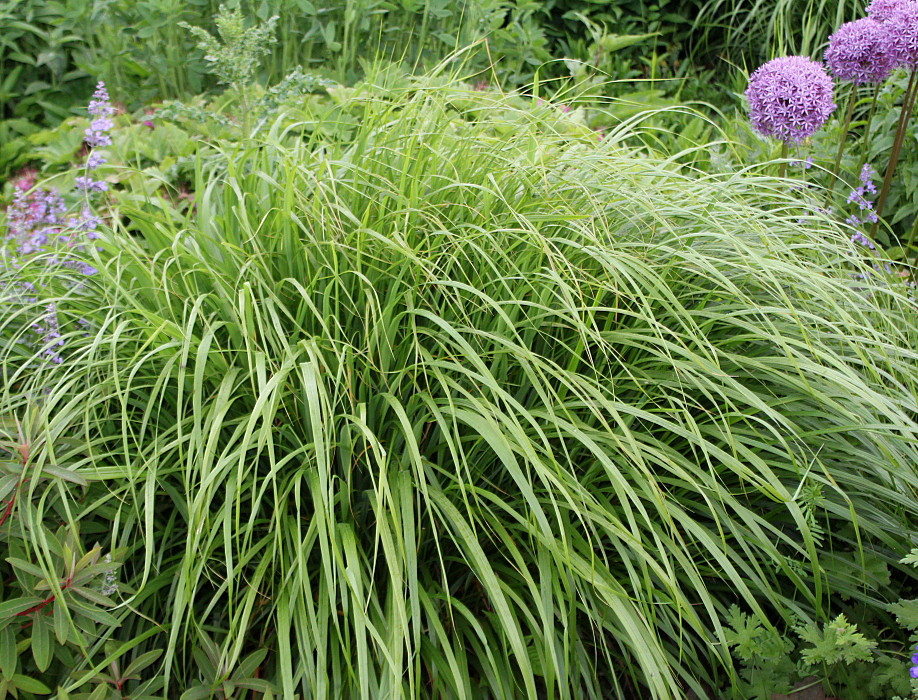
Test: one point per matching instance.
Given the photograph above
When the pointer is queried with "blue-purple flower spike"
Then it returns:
(99, 107)
(790, 98)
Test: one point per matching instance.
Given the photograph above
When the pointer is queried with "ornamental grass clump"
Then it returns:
(451, 410)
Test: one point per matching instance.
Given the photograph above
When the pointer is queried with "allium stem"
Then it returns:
(852, 98)
(783, 170)
(908, 102)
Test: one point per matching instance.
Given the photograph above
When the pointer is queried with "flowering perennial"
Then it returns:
(903, 33)
(36, 225)
(859, 196)
(789, 98)
(882, 10)
(99, 107)
(860, 52)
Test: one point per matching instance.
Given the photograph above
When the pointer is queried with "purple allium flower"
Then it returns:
(903, 33)
(806, 163)
(860, 52)
(32, 216)
(882, 10)
(789, 98)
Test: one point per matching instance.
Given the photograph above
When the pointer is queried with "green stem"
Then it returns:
(852, 98)
(783, 170)
(907, 104)
(911, 242)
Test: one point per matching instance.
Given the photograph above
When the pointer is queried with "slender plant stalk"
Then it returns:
(783, 170)
(852, 98)
(904, 116)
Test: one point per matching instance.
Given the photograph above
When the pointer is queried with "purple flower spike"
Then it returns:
(860, 52)
(866, 177)
(87, 184)
(789, 98)
(100, 108)
(49, 335)
(95, 139)
(903, 33)
(94, 160)
(100, 104)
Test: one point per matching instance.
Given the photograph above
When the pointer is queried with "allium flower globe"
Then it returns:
(789, 98)
(882, 10)
(903, 33)
(860, 52)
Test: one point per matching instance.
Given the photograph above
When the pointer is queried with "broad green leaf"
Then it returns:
(41, 642)
(8, 657)
(30, 685)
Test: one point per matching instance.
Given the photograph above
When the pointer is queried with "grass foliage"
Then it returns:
(446, 412)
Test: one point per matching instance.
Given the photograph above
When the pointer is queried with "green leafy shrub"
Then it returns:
(469, 403)
(41, 78)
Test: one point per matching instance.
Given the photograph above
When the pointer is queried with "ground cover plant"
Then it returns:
(467, 403)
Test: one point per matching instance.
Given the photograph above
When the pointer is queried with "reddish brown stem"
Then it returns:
(46, 601)
(9, 507)
(39, 606)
